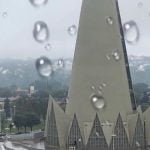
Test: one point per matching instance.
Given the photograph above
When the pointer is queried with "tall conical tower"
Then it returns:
(101, 102)
(100, 67)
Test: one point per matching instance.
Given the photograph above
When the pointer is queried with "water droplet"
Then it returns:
(38, 3)
(116, 55)
(109, 20)
(79, 139)
(131, 32)
(98, 101)
(72, 30)
(4, 14)
(93, 87)
(60, 63)
(140, 4)
(104, 84)
(40, 32)
(99, 92)
(48, 47)
(100, 87)
(97, 134)
(44, 67)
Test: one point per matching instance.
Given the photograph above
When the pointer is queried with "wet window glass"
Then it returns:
(37, 46)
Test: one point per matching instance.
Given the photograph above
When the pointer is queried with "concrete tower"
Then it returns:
(101, 112)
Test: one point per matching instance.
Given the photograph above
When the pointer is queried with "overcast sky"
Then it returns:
(16, 29)
(138, 11)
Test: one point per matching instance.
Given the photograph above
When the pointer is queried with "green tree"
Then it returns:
(7, 107)
(19, 121)
(139, 90)
(32, 120)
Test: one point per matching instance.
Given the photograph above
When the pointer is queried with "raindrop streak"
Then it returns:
(72, 30)
(4, 14)
(44, 67)
(116, 55)
(40, 32)
(38, 3)
(131, 32)
(48, 47)
(98, 101)
(109, 20)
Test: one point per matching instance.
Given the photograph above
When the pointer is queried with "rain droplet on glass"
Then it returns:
(98, 101)
(104, 84)
(60, 63)
(40, 32)
(131, 32)
(38, 3)
(48, 47)
(140, 4)
(44, 67)
(100, 92)
(93, 87)
(109, 20)
(116, 55)
(79, 139)
(97, 134)
(4, 14)
(100, 87)
(72, 30)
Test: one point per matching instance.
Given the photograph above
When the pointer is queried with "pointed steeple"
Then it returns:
(75, 138)
(97, 139)
(56, 127)
(119, 138)
(138, 138)
(100, 62)
(52, 140)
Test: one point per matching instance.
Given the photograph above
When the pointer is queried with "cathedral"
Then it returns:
(101, 111)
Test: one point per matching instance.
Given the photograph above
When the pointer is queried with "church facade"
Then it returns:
(101, 111)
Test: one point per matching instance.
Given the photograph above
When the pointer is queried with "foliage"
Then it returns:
(34, 104)
(26, 120)
(19, 121)
(32, 120)
(140, 91)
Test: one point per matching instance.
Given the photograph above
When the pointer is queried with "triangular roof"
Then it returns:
(75, 137)
(138, 133)
(119, 137)
(131, 121)
(48, 114)
(52, 132)
(61, 120)
(97, 135)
